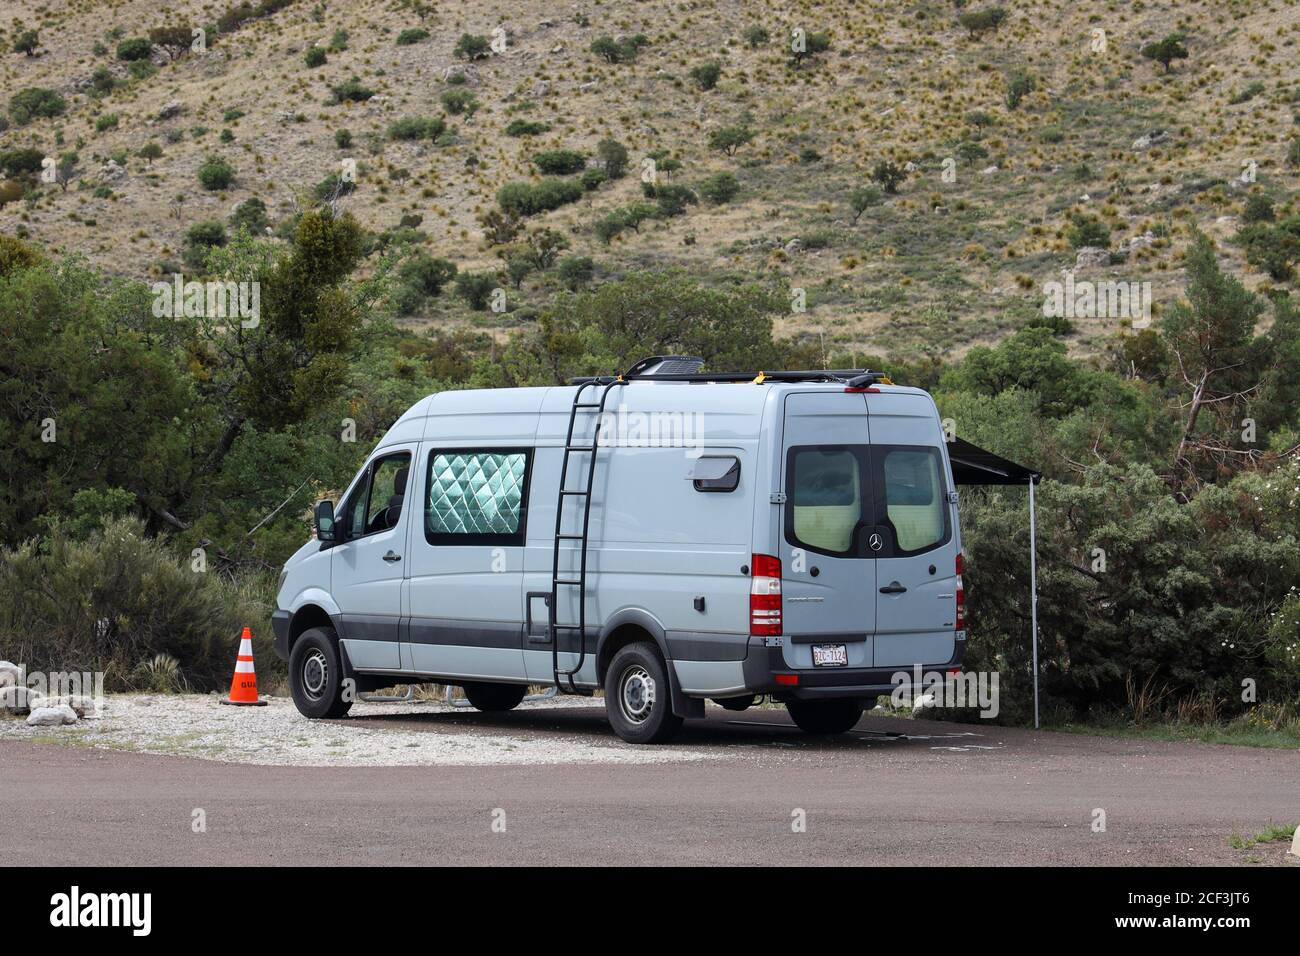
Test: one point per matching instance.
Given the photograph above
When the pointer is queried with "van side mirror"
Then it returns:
(325, 521)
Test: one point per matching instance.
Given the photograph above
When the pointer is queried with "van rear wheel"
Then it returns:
(825, 716)
(316, 675)
(638, 701)
(491, 698)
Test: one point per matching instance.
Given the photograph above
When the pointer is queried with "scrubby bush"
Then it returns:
(106, 122)
(150, 151)
(476, 288)
(523, 127)
(1258, 208)
(672, 200)
(526, 199)
(622, 50)
(116, 599)
(216, 173)
(416, 127)
(728, 139)
(200, 239)
(351, 90)
(342, 138)
(982, 21)
(412, 35)
(720, 188)
(35, 102)
(706, 75)
(136, 48)
(21, 161)
(1019, 85)
(576, 271)
(472, 47)
(1166, 51)
(756, 36)
(315, 56)
(559, 162)
(592, 179)
(613, 157)
(458, 101)
(419, 278)
(889, 175)
(1087, 231)
(863, 198)
(250, 216)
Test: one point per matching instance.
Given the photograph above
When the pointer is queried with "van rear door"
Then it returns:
(828, 582)
(916, 566)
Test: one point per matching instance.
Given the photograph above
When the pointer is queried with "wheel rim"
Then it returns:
(636, 694)
(315, 675)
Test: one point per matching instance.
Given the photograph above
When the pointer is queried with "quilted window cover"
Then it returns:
(475, 493)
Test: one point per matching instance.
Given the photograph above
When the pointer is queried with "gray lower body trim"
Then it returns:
(499, 634)
(704, 646)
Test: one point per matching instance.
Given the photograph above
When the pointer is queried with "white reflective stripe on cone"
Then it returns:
(243, 667)
(245, 648)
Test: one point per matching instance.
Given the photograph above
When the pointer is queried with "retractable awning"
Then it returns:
(972, 465)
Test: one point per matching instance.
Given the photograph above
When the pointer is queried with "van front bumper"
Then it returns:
(764, 664)
(280, 625)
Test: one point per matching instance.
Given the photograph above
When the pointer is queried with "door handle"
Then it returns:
(893, 588)
(392, 556)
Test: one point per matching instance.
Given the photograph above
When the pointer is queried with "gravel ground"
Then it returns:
(191, 725)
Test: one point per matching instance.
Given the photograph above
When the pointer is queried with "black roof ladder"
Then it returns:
(571, 577)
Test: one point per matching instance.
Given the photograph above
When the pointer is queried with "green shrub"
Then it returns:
(315, 56)
(351, 90)
(416, 127)
(118, 599)
(216, 173)
(1019, 85)
(472, 47)
(412, 35)
(592, 179)
(21, 161)
(756, 36)
(475, 288)
(672, 200)
(458, 101)
(613, 157)
(526, 199)
(1166, 51)
(1258, 208)
(1087, 231)
(200, 239)
(619, 51)
(720, 188)
(576, 271)
(728, 139)
(136, 48)
(106, 122)
(342, 138)
(559, 162)
(523, 127)
(250, 216)
(35, 102)
(706, 75)
(982, 21)
(889, 174)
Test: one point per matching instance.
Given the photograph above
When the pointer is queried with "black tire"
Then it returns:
(825, 716)
(316, 674)
(638, 700)
(494, 697)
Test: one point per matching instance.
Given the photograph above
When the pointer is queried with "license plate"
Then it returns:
(830, 655)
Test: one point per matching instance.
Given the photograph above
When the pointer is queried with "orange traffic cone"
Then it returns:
(243, 687)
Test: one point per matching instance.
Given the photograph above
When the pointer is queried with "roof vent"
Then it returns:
(657, 365)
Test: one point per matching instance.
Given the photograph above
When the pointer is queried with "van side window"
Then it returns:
(825, 497)
(914, 497)
(476, 497)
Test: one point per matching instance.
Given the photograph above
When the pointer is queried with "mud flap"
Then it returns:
(683, 706)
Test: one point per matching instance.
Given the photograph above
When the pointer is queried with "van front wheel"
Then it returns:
(825, 716)
(316, 675)
(638, 700)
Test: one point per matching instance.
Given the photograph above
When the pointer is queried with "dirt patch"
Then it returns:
(277, 735)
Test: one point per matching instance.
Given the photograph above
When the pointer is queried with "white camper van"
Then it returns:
(666, 535)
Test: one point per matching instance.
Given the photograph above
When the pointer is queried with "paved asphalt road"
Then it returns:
(892, 793)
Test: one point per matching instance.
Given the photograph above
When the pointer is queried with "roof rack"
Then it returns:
(671, 368)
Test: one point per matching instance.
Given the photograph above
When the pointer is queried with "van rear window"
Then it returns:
(914, 498)
(826, 486)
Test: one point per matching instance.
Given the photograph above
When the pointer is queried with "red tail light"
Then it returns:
(960, 624)
(765, 596)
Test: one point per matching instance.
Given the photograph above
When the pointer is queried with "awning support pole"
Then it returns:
(1033, 591)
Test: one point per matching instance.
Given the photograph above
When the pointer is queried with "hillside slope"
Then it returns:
(1104, 132)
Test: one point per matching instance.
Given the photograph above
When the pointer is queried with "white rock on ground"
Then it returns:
(16, 699)
(52, 716)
